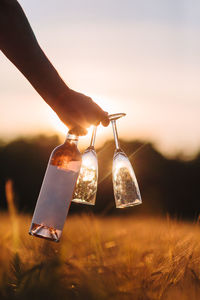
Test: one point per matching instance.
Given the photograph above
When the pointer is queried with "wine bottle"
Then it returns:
(57, 190)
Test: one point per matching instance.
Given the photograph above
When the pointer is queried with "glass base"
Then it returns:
(124, 205)
(82, 201)
(45, 232)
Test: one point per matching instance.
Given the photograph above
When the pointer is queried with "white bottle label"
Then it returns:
(55, 195)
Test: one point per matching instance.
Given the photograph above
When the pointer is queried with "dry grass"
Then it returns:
(113, 258)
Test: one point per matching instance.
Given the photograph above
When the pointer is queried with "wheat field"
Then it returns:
(101, 258)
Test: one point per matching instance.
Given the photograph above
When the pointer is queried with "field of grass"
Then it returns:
(101, 258)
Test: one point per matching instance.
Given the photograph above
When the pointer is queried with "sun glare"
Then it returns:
(57, 125)
(103, 133)
(100, 131)
(62, 128)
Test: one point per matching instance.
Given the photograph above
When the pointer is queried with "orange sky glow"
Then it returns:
(129, 57)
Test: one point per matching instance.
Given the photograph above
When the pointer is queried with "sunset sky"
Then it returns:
(139, 57)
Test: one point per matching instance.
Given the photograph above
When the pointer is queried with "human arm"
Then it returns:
(19, 44)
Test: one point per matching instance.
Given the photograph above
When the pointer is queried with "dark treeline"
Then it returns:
(167, 185)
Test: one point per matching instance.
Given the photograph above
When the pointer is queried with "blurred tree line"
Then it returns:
(167, 185)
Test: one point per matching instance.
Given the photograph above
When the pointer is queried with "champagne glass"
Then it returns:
(86, 186)
(126, 190)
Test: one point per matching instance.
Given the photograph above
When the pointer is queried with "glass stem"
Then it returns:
(93, 137)
(114, 127)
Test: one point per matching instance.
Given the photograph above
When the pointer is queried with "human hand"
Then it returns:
(78, 112)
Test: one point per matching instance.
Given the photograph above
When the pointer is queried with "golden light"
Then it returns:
(88, 162)
(105, 104)
(87, 174)
(102, 132)
(56, 123)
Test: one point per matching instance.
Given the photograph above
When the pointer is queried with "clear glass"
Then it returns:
(86, 186)
(125, 186)
(56, 192)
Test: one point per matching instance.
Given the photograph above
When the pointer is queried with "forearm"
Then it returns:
(18, 43)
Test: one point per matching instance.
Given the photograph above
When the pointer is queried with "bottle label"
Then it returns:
(55, 195)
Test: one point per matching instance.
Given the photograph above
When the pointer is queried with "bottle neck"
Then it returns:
(72, 139)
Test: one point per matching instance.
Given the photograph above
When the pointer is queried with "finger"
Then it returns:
(97, 119)
(95, 123)
(102, 116)
(105, 120)
(78, 130)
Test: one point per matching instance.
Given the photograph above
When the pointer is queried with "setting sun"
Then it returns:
(61, 129)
